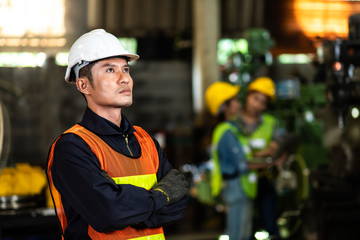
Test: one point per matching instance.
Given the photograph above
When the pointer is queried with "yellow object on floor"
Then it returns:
(23, 179)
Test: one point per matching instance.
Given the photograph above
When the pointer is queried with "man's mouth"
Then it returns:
(125, 91)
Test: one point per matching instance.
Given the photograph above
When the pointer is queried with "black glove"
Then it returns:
(173, 185)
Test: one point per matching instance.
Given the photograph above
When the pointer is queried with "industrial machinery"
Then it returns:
(4, 136)
(23, 188)
(243, 67)
(333, 205)
(320, 113)
(292, 178)
(341, 57)
(319, 184)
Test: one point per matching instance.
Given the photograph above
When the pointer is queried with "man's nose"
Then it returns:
(124, 79)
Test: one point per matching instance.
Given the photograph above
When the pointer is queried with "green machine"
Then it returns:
(296, 107)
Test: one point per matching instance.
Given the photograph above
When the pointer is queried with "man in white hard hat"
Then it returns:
(108, 178)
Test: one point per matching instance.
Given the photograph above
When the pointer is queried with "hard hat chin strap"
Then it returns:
(79, 66)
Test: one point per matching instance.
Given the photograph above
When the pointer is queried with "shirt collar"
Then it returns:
(246, 128)
(102, 126)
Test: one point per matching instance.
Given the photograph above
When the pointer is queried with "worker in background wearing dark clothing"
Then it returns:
(264, 134)
(108, 178)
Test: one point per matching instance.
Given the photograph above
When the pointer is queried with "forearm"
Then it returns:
(99, 201)
(107, 206)
(168, 214)
(268, 151)
(255, 166)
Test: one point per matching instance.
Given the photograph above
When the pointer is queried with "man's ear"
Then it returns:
(83, 85)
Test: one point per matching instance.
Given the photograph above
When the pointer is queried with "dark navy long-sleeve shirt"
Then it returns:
(89, 198)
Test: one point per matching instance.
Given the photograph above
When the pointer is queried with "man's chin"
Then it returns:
(126, 105)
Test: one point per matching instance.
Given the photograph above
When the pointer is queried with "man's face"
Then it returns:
(256, 103)
(112, 84)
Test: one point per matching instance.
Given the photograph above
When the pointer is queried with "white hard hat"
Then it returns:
(94, 45)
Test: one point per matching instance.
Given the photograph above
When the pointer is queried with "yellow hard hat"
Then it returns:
(264, 85)
(218, 93)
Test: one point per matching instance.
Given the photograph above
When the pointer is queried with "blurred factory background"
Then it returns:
(311, 48)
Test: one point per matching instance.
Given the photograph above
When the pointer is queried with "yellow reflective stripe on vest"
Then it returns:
(144, 181)
(159, 236)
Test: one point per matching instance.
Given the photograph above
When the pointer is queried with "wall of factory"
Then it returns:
(41, 106)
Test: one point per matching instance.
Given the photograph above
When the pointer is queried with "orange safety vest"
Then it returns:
(140, 172)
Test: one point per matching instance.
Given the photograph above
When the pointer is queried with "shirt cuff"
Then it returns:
(160, 201)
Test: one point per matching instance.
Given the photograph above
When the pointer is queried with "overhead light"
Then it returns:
(294, 58)
(324, 18)
(355, 112)
(23, 59)
(224, 237)
(36, 23)
(262, 235)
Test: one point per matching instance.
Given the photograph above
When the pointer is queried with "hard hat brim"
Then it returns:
(217, 93)
(131, 57)
(94, 46)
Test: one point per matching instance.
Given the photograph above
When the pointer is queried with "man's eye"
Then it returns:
(110, 70)
(126, 70)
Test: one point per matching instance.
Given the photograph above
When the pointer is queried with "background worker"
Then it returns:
(232, 177)
(263, 134)
(108, 178)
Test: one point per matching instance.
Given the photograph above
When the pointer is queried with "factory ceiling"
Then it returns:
(286, 21)
(139, 18)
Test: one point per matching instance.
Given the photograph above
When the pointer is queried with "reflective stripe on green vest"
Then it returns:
(249, 180)
(262, 136)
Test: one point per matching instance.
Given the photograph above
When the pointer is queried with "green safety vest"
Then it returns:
(262, 136)
(249, 180)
